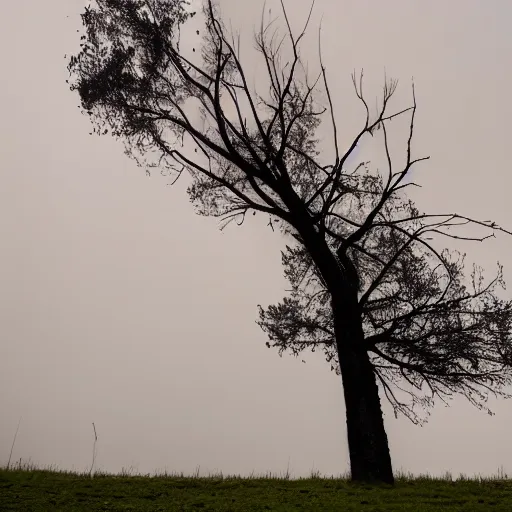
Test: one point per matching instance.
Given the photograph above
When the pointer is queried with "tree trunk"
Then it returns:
(367, 440)
(370, 460)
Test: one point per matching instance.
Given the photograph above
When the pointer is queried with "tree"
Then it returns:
(368, 285)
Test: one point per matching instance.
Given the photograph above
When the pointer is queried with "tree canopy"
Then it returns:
(430, 332)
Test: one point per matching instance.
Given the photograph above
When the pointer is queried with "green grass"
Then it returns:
(23, 487)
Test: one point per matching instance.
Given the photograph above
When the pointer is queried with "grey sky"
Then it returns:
(119, 305)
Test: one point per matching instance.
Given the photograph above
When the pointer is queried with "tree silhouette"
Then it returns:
(369, 288)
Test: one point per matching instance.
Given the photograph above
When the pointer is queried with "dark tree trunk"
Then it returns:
(370, 460)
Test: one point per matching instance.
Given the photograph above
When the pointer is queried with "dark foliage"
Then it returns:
(429, 332)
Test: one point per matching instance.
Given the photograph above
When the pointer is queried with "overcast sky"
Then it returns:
(120, 306)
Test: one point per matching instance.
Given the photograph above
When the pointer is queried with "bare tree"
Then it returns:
(368, 286)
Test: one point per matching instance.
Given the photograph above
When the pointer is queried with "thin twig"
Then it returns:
(93, 448)
(13, 441)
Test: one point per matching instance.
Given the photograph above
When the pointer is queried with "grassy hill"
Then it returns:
(25, 488)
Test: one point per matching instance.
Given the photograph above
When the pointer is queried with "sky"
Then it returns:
(120, 306)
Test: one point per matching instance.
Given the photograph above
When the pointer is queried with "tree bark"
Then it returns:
(370, 460)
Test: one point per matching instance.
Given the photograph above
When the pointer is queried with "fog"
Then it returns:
(120, 306)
